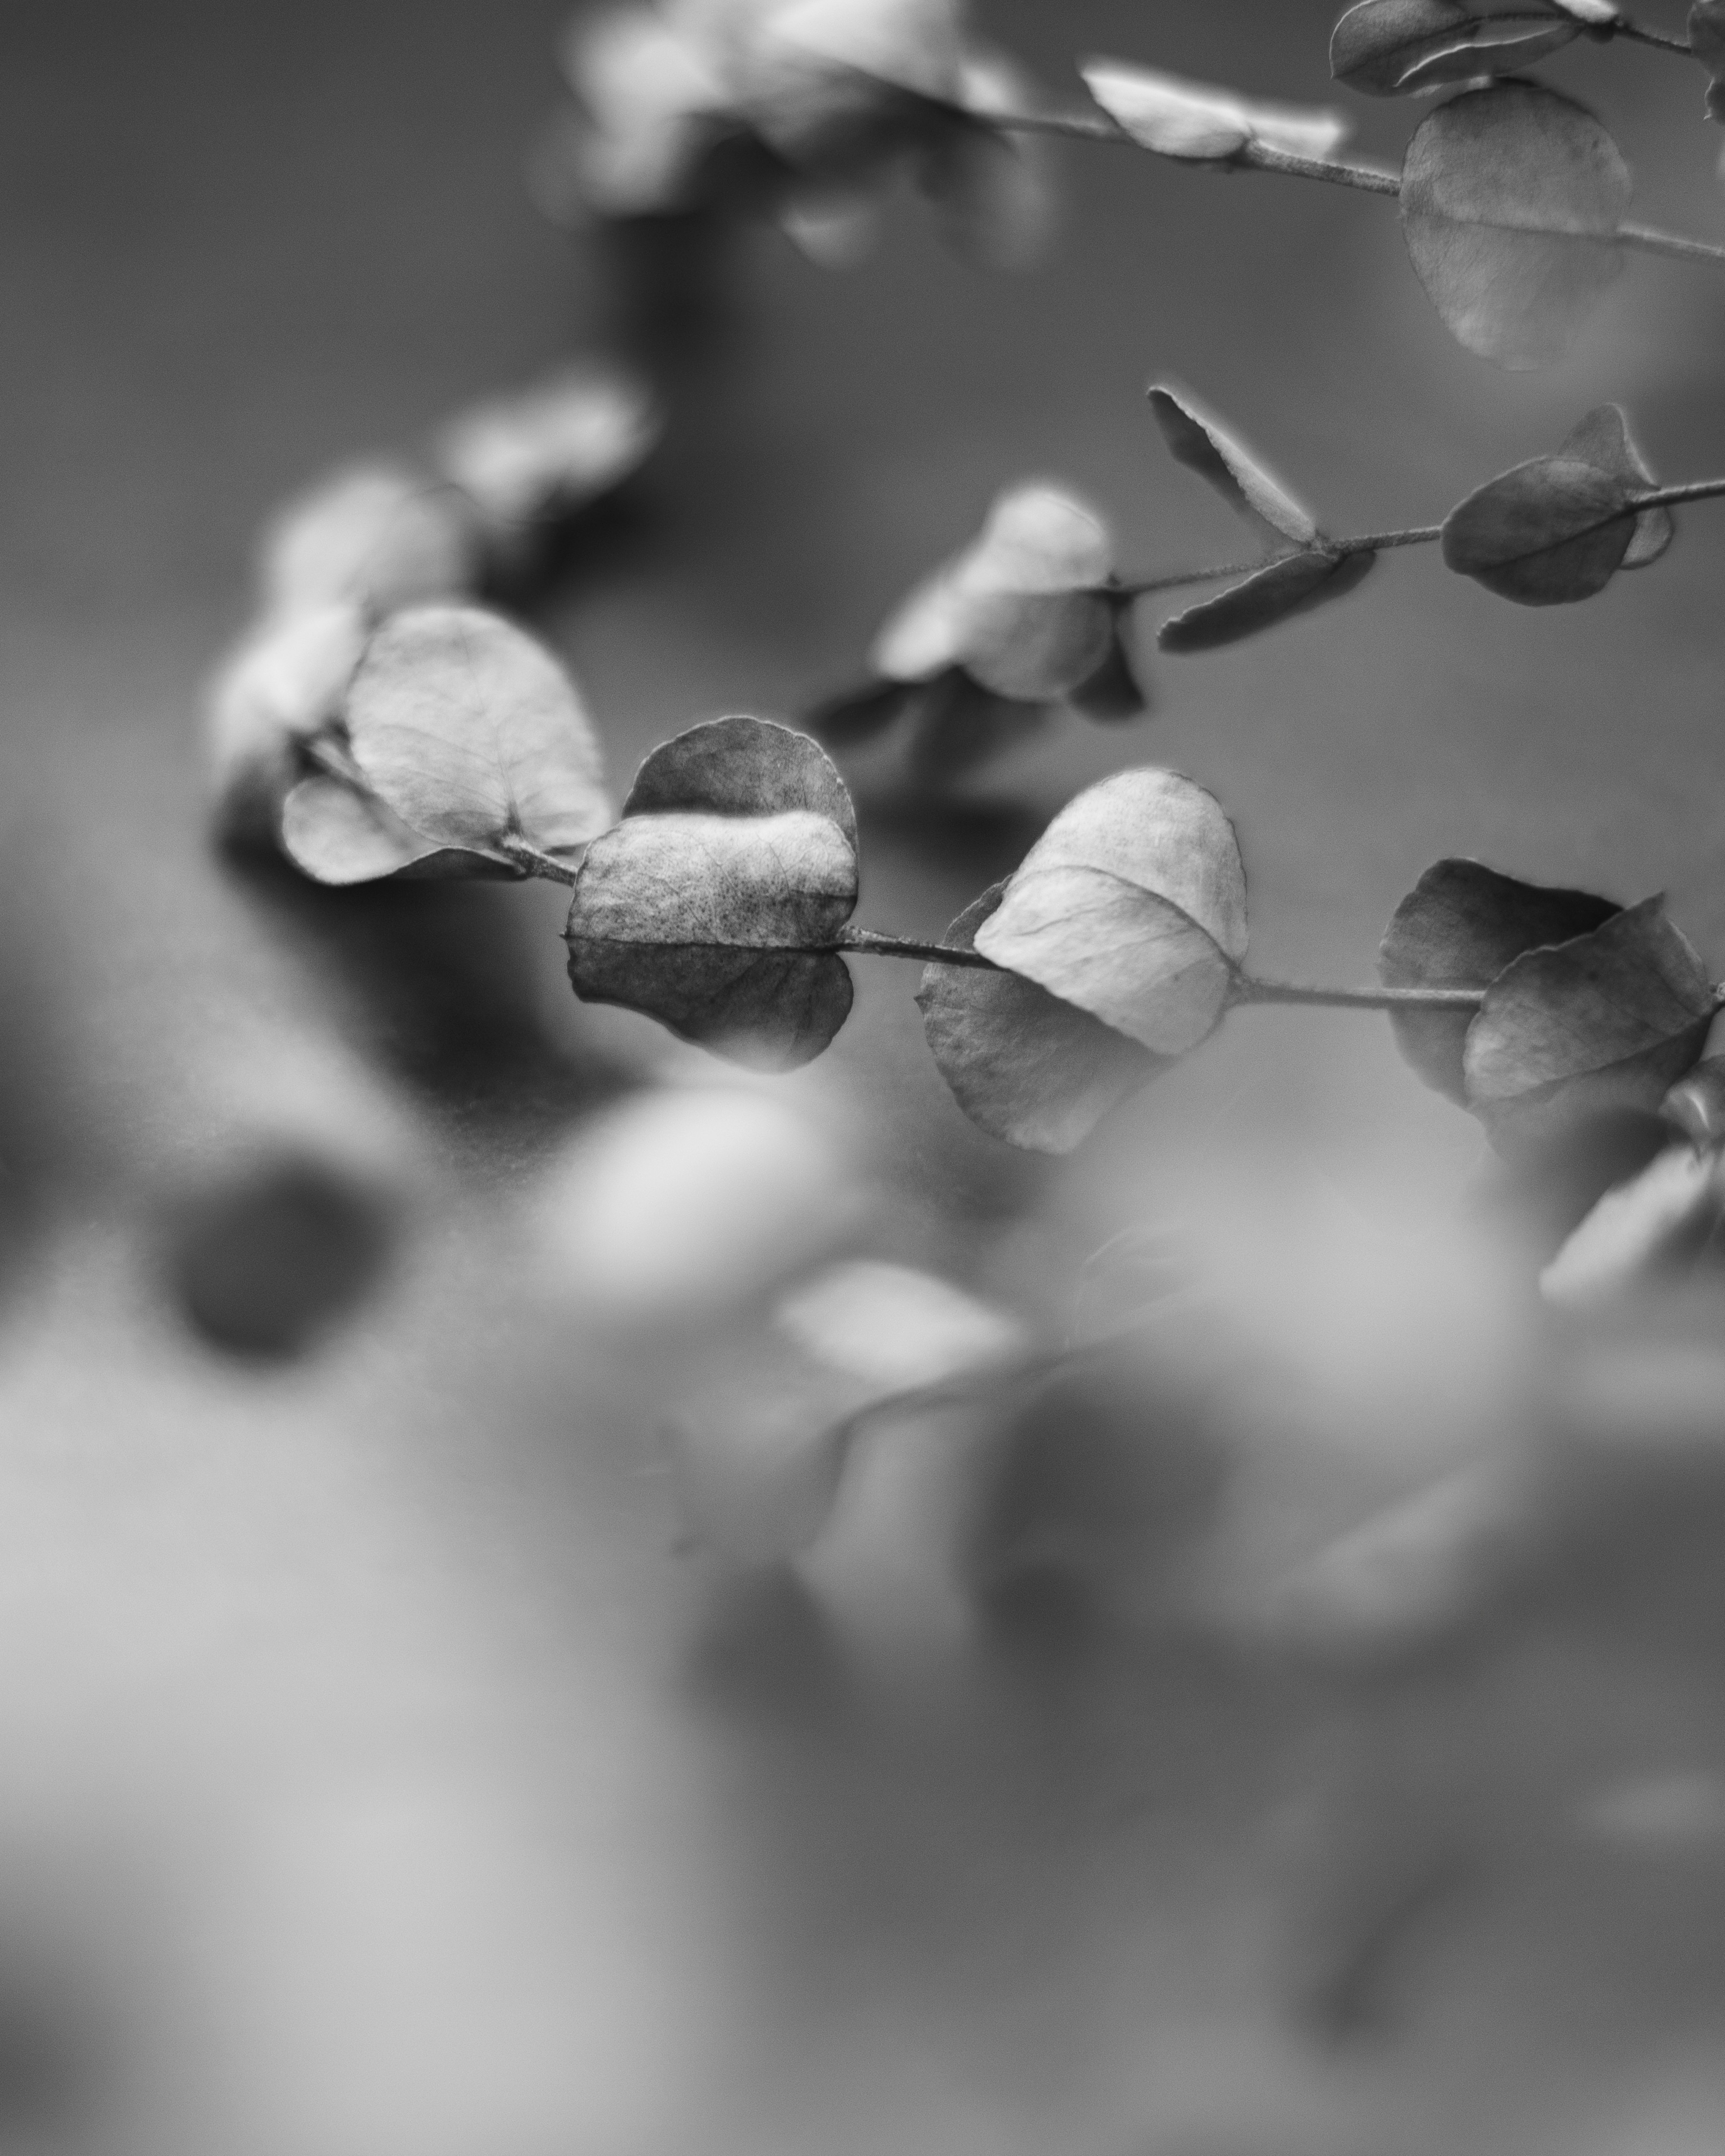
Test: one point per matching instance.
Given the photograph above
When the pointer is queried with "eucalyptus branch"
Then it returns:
(535, 861)
(1248, 989)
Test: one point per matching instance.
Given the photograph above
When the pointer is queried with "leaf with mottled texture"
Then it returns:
(472, 733)
(1608, 1021)
(1554, 530)
(1511, 200)
(1024, 1065)
(1458, 927)
(1131, 906)
(1643, 1227)
(1603, 440)
(708, 905)
(375, 536)
(1294, 586)
(1203, 123)
(1401, 48)
(1203, 446)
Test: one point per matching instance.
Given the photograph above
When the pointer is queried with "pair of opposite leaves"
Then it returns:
(1512, 196)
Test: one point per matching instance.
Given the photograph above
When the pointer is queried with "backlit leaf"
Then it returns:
(706, 908)
(1603, 440)
(1202, 123)
(1132, 905)
(282, 687)
(1552, 531)
(375, 536)
(1511, 200)
(471, 732)
(1203, 446)
(1024, 1065)
(1646, 1226)
(1274, 594)
(1607, 1021)
(1458, 927)
(1399, 48)
(337, 834)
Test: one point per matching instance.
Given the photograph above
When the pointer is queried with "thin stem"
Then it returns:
(1248, 989)
(1374, 542)
(527, 855)
(1138, 587)
(1369, 542)
(1639, 35)
(1368, 179)
(1667, 497)
(1652, 241)
(867, 942)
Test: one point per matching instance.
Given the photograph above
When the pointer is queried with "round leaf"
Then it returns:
(1603, 440)
(1131, 906)
(375, 536)
(1286, 588)
(1203, 123)
(1024, 1065)
(1203, 446)
(1552, 531)
(1399, 48)
(741, 766)
(1458, 927)
(1607, 1021)
(283, 686)
(471, 732)
(336, 834)
(549, 449)
(911, 44)
(1510, 200)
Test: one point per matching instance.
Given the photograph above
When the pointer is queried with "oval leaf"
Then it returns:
(1458, 927)
(1552, 531)
(1203, 446)
(549, 449)
(1021, 1064)
(1607, 1021)
(1399, 48)
(336, 834)
(1603, 440)
(1510, 200)
(472, 733)
(376, 535)
(1286, 588)
(1201, 123)
(706, 908)
(1646, 1226)
(1131, 906)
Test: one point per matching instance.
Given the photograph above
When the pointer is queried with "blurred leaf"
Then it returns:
(1552, 531)
(1021, 1064)
(995, 191)
(375, 536)
(1707, 41)
(654, 97)
(1643, 1227)
(1512, 197)
(1458, 927)
(1024, 609)
(1197, 121)
(736, 854)
(1131, 906)
(336, 834)
(911, 44)
(1117, 689)
(1286, 588)
(956, 725)
(1603, 440)
(283, 686)
(471, 732)
(854, 715)
(1696, 1104)
(1205, 446)
(1607, 1021)
(549, 449)
(1400, 47)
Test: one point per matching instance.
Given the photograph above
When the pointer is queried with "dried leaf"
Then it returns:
(1646, 1226)
(1696, 1104)
(1607, 1021)
(1458, 927)
(1131, 906)
(1707, 41)
(1202, 123)
(1553, 531)
(708, 905)
(471, 732)
(1278, 593)
(374, 535)
(1024, 1065)
(1205, 446)
(1511, 199)
(1401, 48)
(1025, 610)
(1603, 440)
(336, 834)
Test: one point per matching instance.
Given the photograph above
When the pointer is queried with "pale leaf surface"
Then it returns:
(1202, 122)
(376, 535)
(1200, 442)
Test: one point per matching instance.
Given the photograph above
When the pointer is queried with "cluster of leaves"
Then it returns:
(377, 539)
(804, 108)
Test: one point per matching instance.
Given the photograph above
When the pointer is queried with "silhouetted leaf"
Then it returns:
(1132, 905)
(706, 908)
(1607, 1021)
(1202, 123)
(1458, 927)
(1399, 48)
(1707, 41)
(471, 733)
(374, 535)
(1024, 1065)
(1603, 440)
(1025, 610)
(337, 834)
(1277, 593)
(1203, 446)
(1552, 531)
(1695, 1104)
(1512, 197)
(1643, 1227)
